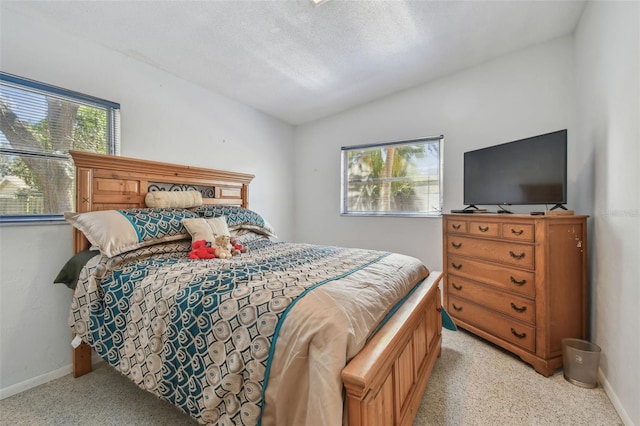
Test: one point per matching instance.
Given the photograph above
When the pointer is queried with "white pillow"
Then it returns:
(118, 231)
(206, 229)
(173, 199)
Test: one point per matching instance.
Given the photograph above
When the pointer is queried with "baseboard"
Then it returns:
(40, 380)
(34, 381)
(614, 399)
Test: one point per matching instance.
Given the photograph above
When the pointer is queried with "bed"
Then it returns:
(277, 335)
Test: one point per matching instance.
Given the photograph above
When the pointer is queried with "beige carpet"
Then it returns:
(477, 383)
(474, 383)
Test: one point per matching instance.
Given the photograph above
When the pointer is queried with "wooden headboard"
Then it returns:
(105, 182)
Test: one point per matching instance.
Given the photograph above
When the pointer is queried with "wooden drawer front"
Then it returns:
(486, 229)
(509, 304)
(514, 280)
(457, 226)
(492, 322)
(518, 231)
(520, 255)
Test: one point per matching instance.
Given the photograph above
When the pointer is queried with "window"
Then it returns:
(393, 179)
(39, 124)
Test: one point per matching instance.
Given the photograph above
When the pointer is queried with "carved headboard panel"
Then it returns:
(105, 182)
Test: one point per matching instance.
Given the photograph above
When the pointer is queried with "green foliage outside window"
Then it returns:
(39, 124)
(393, 179)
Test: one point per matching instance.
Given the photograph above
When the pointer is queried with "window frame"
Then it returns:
(344, 182)
(113, 135)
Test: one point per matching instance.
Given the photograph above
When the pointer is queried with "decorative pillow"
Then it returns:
(206, 229)
(173, 199)
(249, 236)
(237, 218)
(118, 231)
(69, 273)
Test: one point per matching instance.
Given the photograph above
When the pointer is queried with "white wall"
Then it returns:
(520, 95)
(608, 80)
(163, 118)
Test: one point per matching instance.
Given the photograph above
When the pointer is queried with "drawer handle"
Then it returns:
(456, 245)
(514, 232)
(518, 335)
(457, 287)
(516, 282)
(518, 308)
(458, 308)
(483, 228)
(456, 267)
(516, 256)
(455, 226)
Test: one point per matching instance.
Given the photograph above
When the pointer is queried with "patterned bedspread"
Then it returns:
(227, 340)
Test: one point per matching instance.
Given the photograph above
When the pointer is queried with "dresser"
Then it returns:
(518, 281)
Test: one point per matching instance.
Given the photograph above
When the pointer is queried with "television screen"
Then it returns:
(526, 171)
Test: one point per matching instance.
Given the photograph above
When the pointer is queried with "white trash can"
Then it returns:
(580, 359)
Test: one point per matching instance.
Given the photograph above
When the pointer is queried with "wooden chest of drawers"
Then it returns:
(518, 281)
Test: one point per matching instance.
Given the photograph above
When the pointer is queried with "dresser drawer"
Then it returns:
(518, 231)
(513, 280)
(515, 306)
(457, 226)
(492, 322)
(512, 253)
(485, 229)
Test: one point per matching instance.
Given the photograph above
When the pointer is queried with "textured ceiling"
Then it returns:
(299, 62)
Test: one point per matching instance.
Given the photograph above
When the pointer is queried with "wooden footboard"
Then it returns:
(386, 380)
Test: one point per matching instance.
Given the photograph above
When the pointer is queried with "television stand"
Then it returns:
(470, 209)
(558, 206)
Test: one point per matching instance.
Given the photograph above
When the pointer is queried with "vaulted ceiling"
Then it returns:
(300, 62)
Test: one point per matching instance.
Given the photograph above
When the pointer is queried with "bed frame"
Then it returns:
(384, 382)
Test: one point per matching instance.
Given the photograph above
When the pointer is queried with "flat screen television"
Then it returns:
(526, 171)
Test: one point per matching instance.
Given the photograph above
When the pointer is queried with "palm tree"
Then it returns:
(376, 175)
(387, 173)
